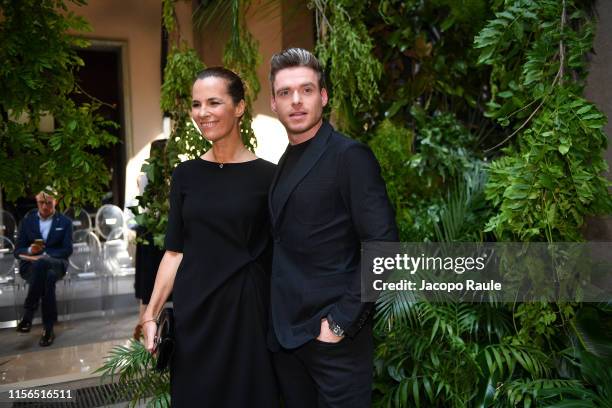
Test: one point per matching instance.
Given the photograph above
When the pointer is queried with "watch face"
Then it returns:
(336, 330)
(333, 326)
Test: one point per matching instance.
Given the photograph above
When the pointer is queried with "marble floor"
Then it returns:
(79, 349)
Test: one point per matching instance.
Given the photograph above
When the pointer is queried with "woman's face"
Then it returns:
(213, 110)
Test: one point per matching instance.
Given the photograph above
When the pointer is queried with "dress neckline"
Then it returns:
(221, 165)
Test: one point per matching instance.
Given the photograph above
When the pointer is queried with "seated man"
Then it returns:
(43, 247)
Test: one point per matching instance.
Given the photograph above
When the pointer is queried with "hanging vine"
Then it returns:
(241, 54)
(550, 177)
(345, 48)
(184, 142)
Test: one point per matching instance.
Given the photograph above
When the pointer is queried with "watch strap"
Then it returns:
(334, 327)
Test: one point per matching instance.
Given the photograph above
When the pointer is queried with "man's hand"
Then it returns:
(36, 249)
(326, 335)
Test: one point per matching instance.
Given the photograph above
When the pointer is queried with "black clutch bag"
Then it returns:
(164, 338)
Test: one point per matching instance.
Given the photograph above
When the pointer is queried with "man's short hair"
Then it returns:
(48, 192)
(295, 57)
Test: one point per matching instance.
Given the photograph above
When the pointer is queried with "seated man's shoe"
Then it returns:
(24, 326)
(47, 338)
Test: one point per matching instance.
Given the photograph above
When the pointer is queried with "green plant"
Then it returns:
(241, 54)
(392, 146)
(425, 47)
(595, 389)
(36, 79)
(550, 179)
(420, 165)
(345, 50)
(241, 51)
(441, 354)
(133, 368)
(185, 141)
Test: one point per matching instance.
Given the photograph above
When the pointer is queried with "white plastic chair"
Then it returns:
(8, 262)
(85, 278)
(8, 226)
(8, 286)
(109, 220)
(80, 218)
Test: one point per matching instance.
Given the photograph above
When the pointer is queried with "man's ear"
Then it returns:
(324, 96)
(273, 103)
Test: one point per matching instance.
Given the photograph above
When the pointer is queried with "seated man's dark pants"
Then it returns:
(41, 276)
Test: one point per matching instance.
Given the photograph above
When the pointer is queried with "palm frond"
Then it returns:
(133, 367)
(458, 212)
(221, 12)
(506, 358)
(525, 392)
(396, 308)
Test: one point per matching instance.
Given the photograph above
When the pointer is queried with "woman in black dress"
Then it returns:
(217, 242)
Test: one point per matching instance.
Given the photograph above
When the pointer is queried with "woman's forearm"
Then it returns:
(164, 282)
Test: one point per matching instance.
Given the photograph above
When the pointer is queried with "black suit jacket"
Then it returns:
(333, 200)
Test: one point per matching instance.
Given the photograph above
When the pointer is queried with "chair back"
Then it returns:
(8, 263)
(80, 218)
(110, 221)
(8, 226)
(117, 259)
(86, 258)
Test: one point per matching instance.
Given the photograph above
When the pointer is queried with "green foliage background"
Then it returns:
(480, 125)
(39, 60)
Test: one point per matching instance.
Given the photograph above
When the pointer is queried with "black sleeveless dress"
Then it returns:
(219, 220)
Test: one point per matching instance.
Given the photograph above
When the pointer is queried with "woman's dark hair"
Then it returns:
(235, 87)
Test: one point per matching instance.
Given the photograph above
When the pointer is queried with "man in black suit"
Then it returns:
(327, 197)
(43, 247)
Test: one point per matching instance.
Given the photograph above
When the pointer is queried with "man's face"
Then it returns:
(297, 99)
(46, 205)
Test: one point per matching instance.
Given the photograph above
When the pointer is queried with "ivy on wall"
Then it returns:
(550, 178)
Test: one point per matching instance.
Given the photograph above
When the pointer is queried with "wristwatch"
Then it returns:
(334, 327)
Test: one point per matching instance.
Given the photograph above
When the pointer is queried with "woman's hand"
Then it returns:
(149, 328)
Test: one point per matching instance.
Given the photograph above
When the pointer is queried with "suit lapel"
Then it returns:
(310, 156)
(281, 162)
